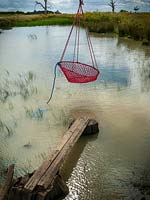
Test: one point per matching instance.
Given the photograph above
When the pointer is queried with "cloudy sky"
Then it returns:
(70, 6)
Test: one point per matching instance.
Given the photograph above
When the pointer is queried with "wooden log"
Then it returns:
(6, 187)
(31, 184)
(62, 185)
(49, 175)
(45, 183)
(57, 190)
(44, 172)
(91, 128)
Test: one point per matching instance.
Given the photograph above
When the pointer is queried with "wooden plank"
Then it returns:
(5, 188)
(38, 174)
(49, 175)
(31, 184)
(62, 185)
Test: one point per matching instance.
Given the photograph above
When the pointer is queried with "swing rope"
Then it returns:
(53, 85)
(75, 71)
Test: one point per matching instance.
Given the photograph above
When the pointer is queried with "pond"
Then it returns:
(111, 165)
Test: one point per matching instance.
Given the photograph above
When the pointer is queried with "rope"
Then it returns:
(69, 36)
(75, 43)
(76, 19)
(76, 22)
(78, 38)
(93, 58)
(53, 84)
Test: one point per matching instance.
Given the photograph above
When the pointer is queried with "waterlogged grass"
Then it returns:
(22, 86)
(50, 21)
(131, 25)
(5, 130)
(34, 20)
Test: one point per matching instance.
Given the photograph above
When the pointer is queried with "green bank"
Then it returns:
(125, 24)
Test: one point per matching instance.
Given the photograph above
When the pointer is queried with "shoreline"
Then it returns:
(134, 26)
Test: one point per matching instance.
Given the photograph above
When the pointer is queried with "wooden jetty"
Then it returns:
(45, 183)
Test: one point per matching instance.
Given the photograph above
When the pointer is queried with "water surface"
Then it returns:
(111, 165)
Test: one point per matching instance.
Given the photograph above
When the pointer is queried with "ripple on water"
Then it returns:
(111, 165)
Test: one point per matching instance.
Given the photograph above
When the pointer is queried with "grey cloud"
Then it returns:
(71, 5)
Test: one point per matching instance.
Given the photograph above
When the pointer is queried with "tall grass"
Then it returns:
(132, 25)
(34, 20)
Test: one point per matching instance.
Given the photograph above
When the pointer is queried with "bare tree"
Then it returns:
(112, 4)
(44, 5)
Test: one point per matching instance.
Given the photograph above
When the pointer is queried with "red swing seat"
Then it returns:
(77, 72)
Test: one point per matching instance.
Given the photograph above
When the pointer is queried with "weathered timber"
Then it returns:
(57, 189)
(77, 128)
(45, 183)
(54, 167)
(91, 128)
(5, 188)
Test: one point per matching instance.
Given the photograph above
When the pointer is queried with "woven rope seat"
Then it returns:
(77, 72)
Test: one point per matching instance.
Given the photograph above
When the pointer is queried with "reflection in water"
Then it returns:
(115, 165)
(145, 77)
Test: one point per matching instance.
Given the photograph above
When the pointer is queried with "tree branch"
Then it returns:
(39, 3)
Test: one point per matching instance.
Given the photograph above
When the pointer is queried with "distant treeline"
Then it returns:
(30, 13)
(125, 24)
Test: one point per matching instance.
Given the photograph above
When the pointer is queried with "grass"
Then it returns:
(23, 86)
(34, 20)
(5, 130)
(131, 25)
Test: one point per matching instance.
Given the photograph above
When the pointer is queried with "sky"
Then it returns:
(70, 6)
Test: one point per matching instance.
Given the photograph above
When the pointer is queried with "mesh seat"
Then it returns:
(77, 72)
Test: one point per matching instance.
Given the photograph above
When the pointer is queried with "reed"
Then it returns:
(125, 24)
(34, 20)
(132, 25)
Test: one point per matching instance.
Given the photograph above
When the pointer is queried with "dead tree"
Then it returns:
(44, 5)
(112, 4)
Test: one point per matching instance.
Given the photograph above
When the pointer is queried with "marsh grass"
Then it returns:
(60, 117)
(34, 20)
(23, 86)
(38, 114)
(125, 24)
(132, 25)
(5, 130)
